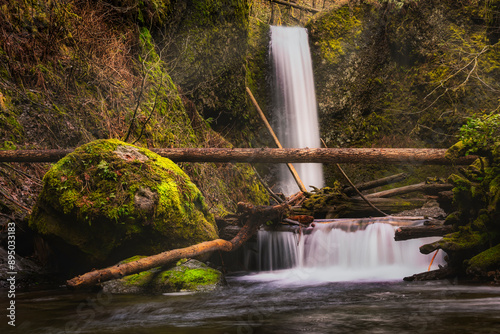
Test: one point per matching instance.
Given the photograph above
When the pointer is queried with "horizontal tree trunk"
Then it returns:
(356, 207)
(424, 231)
(286, 3)
(398, 156)
(255, 217)
(433, 188)
(376, 183)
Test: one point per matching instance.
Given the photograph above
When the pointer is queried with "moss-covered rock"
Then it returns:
(108, 200)
(485, 261)
(186, 276)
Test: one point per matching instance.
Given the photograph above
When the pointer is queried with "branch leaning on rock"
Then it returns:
(254, 216)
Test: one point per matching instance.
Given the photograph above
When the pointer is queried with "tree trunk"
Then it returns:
(286, 3)
(398, 156)
(376, 183)
(356, 207)
(254, 217)
(423, 187)
(415, 232)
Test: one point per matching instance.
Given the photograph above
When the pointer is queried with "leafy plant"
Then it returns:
(480, 133)
(108, 174)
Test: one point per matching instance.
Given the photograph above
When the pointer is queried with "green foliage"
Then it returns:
(480, 133)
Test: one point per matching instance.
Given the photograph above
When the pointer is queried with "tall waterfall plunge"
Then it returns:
(295, 102)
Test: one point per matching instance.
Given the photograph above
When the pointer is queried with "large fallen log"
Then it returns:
(291, 4)
(376, 183)
(254, 217)
(424, 231)
(398, 156)
(431, 188)
(356, 207)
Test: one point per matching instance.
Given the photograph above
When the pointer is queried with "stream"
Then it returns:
(252, 305)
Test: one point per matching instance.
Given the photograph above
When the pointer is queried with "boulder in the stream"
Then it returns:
(186, 276)
(109, 200)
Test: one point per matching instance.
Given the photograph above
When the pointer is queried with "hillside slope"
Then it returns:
(75, 71)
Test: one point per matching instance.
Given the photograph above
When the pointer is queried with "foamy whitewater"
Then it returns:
(330, 254)
(295, 112)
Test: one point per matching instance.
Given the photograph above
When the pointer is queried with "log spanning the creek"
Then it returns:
(398, 156)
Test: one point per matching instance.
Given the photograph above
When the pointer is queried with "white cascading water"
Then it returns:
(295, 112)
(331, 254)
(328, 253)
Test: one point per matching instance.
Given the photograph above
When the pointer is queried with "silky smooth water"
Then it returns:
(295, 111)
(267, 307)
(331, 254)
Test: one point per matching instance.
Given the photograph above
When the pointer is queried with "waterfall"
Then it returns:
(328, 253)
(295, 113)
(331, 253)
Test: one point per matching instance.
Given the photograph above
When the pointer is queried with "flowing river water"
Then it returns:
(309, 288)
(253, 306)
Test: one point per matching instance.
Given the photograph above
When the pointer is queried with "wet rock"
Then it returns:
(187, 276)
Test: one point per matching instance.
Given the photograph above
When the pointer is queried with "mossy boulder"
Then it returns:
(109, 200)
(186, 276)
(486, 261)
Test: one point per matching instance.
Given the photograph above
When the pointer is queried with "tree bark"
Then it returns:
(286, 3)
(416, 232)
(376, 183)
(423, 187)
(398, 156)
(254, 217)
(356, 207)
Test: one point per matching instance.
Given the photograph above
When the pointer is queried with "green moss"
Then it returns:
(185, 278)
(334, 30)
(142, 279)
(485, 261)
(102, 199)
(456, 151)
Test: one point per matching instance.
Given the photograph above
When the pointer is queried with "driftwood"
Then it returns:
(415, 232)
(376, 183)
(398, 156)
(432, 188)
(254, 217)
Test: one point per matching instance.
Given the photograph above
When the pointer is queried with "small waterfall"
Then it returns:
(295, 112)
(331, 253)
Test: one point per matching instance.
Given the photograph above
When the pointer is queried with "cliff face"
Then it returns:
(403, 74)
(407, 74)
(77, 71)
